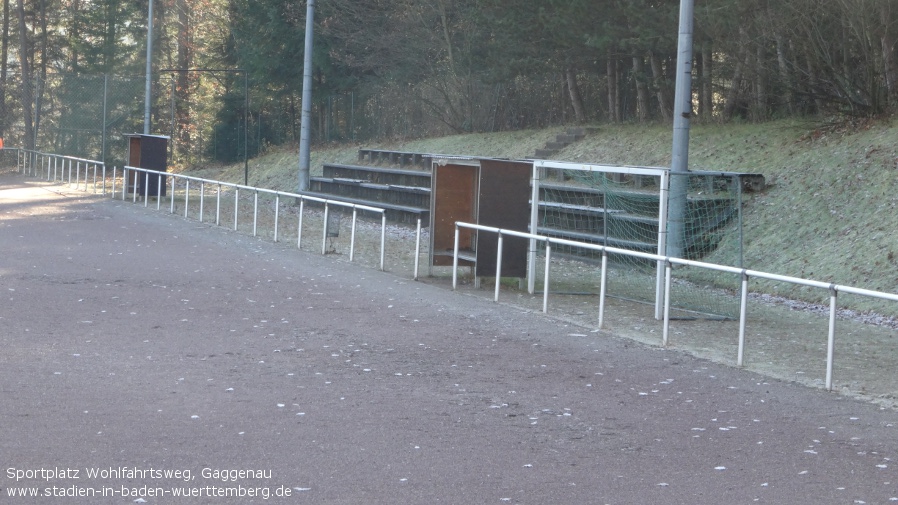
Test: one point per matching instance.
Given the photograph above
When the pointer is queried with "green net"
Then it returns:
(621, 210)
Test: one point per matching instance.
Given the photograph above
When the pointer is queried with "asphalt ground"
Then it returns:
(144, 356)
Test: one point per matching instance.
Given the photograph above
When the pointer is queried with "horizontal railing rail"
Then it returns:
(327, 203)
(669, 262)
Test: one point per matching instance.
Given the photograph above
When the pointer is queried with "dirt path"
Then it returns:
(136, 342)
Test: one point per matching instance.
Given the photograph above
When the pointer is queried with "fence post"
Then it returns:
(417, 247)
(602, 284)
(352, 234)
(202, 198)
(743, 314)
(455, 260)
(277, 213)
(831, 340)
(302, 203)
(546, 277)
(383, 239)
(667, 275)
(498, 266)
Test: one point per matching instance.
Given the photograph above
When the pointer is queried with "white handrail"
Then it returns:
(669, 261)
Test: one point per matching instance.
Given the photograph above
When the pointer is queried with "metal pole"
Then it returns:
(324, 235)
(534, 223)
(667, 276)
(105, 101)
(255, 211)
(417, 247)
(302, 204)
(277, 211)
(148, 89)
(743, 315)
(602, 288)
(383, 239)
(680, 153)
(498, 267)
(546, 278)
(305, 138)
(352, 235)
(831, 341)
(455, 260)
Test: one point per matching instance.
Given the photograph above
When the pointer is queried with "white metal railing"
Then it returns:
(219, 185)
(59, 168)
(834, 289)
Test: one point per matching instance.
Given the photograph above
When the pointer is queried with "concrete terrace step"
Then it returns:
(394, 212)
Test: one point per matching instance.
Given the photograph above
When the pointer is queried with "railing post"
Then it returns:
(202, 198)
(236, 204)
(417, 247)
(255, 211)
(667, 276)
(603, 282)
(831, 340)
(352, 234)
(218, 206)
(383, 239)
(186, 197)
(324, 232)
(277, 212)
(171, 199)
(498, 266)
(146, 189)
(743, 314)
(455, 260)
(546, 278)
(159, 192)
(302, 203)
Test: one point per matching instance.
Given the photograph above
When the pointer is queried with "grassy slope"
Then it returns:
(830, 213)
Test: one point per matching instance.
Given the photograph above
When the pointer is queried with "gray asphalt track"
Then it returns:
(170, 355)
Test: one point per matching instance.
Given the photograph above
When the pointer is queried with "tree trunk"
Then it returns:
(660, 80)
(42, 82)
(642, 91)
(760, 85)
(732, 98)
(613, 94)
(24, 52)
(576, 97)
(785, 74)
(707, 77)
(182, 111)
(4, 67)
(889, 53)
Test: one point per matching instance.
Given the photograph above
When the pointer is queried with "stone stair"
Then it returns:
(563, 140)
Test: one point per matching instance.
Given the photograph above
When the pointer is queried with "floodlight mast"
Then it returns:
(149, 77)
(680, 153)
(305, 137)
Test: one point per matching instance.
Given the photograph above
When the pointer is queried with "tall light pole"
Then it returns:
(680, 155)
(305, 137)
(148, 89)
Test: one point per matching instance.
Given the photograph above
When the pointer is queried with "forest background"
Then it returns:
(227, 74)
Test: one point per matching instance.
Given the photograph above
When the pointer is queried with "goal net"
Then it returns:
(627, 208)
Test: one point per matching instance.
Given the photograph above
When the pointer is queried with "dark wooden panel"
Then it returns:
(504, 203)
(454, 195)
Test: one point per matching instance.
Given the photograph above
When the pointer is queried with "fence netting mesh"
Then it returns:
(622, 210)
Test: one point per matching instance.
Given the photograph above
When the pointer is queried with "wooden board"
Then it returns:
(504, 203)
(453, 196)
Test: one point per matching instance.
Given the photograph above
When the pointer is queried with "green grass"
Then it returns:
(830, 212)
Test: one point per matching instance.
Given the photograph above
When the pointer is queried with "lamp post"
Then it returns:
(148, 89)
(305, 138)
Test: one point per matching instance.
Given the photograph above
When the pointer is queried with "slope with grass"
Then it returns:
(830, 212)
